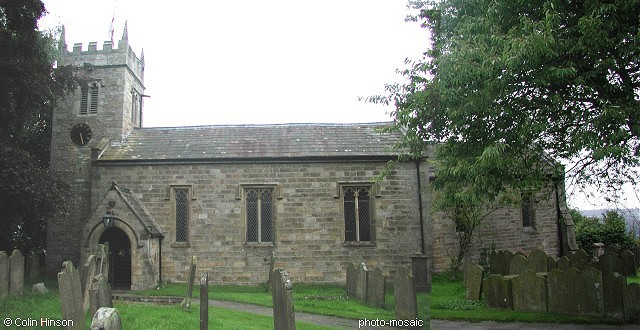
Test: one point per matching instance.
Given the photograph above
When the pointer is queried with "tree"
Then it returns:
(528, 81)
(29, 87)
(610, 230)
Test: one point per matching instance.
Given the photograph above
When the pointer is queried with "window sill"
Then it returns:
(358, 244)
(257, 245)
(529, 230)
(180, 245)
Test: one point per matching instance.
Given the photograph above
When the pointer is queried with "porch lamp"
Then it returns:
(108, 218)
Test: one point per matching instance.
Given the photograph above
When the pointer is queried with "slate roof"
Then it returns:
(141, 212)
(252, 142)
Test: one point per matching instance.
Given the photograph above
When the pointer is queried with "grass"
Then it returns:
(322, 299)
(448, 302)
(137, 315)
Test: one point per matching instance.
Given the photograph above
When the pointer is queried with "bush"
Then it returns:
(610, 230)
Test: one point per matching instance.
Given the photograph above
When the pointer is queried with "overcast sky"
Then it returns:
(230, 62)
(259, 62)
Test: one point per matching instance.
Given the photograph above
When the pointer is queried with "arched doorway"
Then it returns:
(119, 258)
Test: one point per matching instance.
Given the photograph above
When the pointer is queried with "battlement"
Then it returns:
(123, 55)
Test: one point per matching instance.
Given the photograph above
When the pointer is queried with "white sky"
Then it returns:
(259, 62)
(233, 62)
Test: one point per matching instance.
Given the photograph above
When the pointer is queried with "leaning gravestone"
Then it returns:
(284, 316)
(497, 291)
(537, 260)
(4, 274)
(560, 291)
(529, 292)
(71, 295)
(404, 295)
(102, 259)
(99, 293)
(473, 281)
(106, 318)
(631, 302)
(361, 282)
(518, 264)
(375, 288)
(351, 280)
(628, 263)
(563, 263)
(16, 277)
(613, 287)
(580, 259)
(588, 295)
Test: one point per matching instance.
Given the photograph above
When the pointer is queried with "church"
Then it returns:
(241, 197)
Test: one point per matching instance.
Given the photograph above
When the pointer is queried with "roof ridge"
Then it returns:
(269, 125)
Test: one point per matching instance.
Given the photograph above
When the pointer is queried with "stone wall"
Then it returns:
(309, 225)
(502, 228)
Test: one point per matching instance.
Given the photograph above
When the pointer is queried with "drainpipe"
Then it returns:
(420, 211)
(160, 257)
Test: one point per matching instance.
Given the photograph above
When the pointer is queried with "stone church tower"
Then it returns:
(103, 110)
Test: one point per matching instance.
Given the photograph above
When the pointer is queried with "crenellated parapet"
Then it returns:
(108, 56)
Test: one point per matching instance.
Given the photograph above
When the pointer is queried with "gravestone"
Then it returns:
(360, 292)
(204, 301)
(614, 285)
(186, 303)
(33, 264)
(551, 263)
(494, 263)
(87, 278)
(4, 274)
(588, 295)
(283, 312)
(612, 249)
(580, 259)
(351, 280)
(631, 302)
(518, 264)
(404, 295)
(563, 263)
(497, 291)
(375, 288)
(560, 291)
(71, 295)
(473, 281)
(505, 261)
(106, 318)
(529, 292)
(628, 263)
(99, 293)
(609, 263)
(597, 249)
(39, 288)
(537, 260)
(16, 277)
